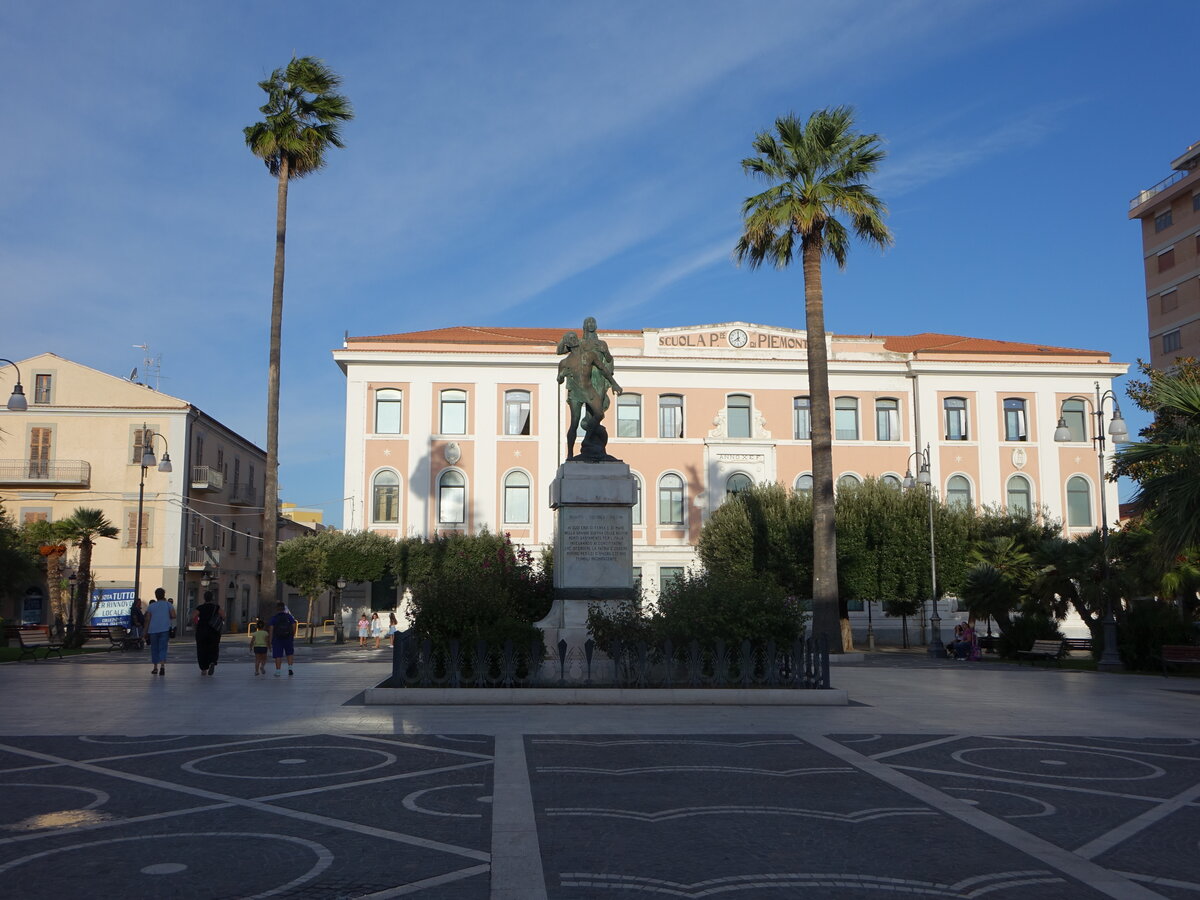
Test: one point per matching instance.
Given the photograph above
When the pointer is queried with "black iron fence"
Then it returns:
(803, 664)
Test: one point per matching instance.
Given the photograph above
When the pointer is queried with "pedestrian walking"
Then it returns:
(393, 628)
(208, 623)
(282, 629)
(160, 619)
(364, 629)
(137, 620)
(260, 640)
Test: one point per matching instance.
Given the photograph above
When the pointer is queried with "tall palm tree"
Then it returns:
(817, 171)
(302, 114)
(83, 528)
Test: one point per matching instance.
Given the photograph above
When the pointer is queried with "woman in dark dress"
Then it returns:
(208, 623)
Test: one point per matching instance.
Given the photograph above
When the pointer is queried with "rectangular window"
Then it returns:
(1166, 260)
(233, 535)
(956, 418)
(670, 416)
(629, 416)
(388, 406)
(29, 516)
(737, 415)
(130, 535)
(1075, 416)
(1162, 220)
(887, 420)
(453, 418)
(39, 452)
(41, 388)
(637, 576)
(801, 419)
(1171, 341)
(1195, 202)
(667, 576)
(845, 419)
(1014, 420)
(250, 482)
(516, 412)
(1168, 302)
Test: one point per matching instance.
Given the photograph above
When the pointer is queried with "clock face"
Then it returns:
(737, 338)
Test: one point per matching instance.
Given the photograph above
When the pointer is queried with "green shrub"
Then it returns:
(1022, 631)
(1148, 625)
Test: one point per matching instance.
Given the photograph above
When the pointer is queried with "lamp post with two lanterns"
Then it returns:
(149, 461)
(936, 647)
(1110, 659)
(339, 630)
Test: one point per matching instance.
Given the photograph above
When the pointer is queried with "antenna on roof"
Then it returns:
(151, 365)
(133, 375)
(345, 338)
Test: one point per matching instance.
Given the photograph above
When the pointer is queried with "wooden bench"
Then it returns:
(1049, 649)
(1084, 644)
(114, 634)
(32, 638)
(1179, 654)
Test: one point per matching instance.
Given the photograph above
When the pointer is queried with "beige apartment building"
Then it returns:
(1169, 213)
(459, 428)
(80, 443)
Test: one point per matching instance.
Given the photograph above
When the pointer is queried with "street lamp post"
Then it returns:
(339, 632)
(1110, 659)
(936, 648)
(148, 461)
(17, 402)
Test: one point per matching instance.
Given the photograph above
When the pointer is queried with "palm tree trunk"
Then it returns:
(825, 617)
(267, 590)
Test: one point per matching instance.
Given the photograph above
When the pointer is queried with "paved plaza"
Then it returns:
(941, 779)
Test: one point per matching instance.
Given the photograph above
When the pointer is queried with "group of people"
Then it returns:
(208, 623)
(965, 645)
(374, 628)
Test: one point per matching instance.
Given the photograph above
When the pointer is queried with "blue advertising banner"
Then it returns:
(111, 606)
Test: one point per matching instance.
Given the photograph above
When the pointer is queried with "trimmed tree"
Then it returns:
(817, 171)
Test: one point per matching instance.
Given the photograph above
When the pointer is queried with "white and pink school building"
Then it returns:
(459, 428)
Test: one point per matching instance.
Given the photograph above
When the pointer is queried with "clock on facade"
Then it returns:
(738, 338)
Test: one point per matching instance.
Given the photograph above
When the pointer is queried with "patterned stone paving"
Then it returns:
(702, 815)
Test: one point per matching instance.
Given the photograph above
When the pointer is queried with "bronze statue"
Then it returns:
(587, 369)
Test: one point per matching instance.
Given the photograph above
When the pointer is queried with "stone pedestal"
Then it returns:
(593, 545)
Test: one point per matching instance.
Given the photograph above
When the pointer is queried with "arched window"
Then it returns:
(629, 416)
(1079, 502)
(802, 419)
(670, 500)
(452, 498)
(387, 411)
(637, 503)
(958, 491)
(1015, 428)
(891, 481)
(849, 480)
(516, 498)
(737, 415)
(956, 418)
(516, 412)
(453, 412)
(1074, 414)
(845, 418)
(887, 420)
(804, 484)
(670, 416)
(385, 497)
(1020, 495)
(738, 482)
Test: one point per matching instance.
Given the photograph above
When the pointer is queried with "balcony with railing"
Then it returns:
(43, 473)
(200, 558)
(243, 494)
(206, 478)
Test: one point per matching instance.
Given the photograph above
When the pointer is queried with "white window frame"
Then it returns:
(802, 413)
(627, 402)
(887, 419)
(665, 402)
(1020, 419)
(442, 496)
(669, 506)
(448, 401)
(514, 405)
(512, 491)
(846, 408)
(389, 399)
(729, 415)
(379, 490)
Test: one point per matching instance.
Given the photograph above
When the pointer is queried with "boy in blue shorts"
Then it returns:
(282, 629)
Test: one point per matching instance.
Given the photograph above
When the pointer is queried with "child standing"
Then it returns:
(258, 646)
(364, 628)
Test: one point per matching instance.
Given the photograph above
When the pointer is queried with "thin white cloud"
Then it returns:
(644, 290)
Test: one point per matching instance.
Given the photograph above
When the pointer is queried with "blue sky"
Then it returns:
(529, 163)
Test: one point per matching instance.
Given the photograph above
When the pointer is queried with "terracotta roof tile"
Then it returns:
(473, 334)
(953, 343)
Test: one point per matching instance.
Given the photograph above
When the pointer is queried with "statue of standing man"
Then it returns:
(587, 370)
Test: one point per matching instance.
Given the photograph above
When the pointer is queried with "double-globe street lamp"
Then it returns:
(936, 647)
(1110, 659)
(17, 402)
(339, 631)
(149, 461)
